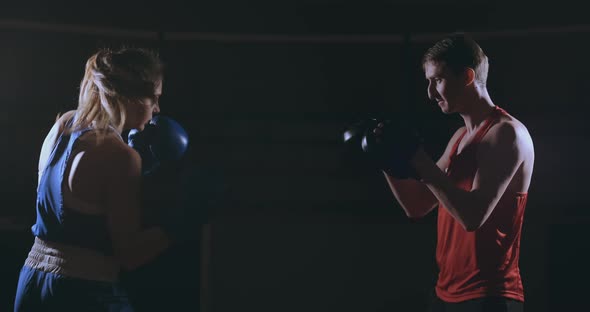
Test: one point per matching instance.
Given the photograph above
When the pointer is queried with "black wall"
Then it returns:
(307, 229)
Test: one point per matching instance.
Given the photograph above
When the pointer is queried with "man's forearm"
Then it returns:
(413, 196)
(461, 204)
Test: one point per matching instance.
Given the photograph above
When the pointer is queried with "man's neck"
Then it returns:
(480, 107)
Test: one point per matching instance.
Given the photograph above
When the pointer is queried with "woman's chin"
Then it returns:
(136, 126)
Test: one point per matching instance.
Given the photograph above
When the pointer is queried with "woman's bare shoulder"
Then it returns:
(118, 153)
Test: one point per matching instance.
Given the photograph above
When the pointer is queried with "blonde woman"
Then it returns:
(88, 195)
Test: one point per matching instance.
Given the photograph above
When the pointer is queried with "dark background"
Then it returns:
(265, 90)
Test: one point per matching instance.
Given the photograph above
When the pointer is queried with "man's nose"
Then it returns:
(431, 91)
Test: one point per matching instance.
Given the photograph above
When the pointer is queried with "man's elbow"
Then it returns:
(415, 216)
(472, 226)
(417, 213)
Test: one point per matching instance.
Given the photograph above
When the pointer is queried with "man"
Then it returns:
(479, 185)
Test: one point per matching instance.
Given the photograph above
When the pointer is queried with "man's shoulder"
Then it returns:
(509, 124)
(510, 130)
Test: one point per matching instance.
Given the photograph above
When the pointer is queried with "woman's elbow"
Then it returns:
(127, 257)
(129, 262)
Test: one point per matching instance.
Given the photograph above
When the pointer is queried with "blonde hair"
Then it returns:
(112, 80)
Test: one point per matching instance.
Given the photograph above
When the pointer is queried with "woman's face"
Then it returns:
(140, 112)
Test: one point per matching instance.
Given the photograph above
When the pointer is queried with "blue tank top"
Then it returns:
(57, 223)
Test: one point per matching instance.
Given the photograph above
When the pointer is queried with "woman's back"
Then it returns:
(71, 193)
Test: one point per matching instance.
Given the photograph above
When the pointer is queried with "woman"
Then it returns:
(88, 212)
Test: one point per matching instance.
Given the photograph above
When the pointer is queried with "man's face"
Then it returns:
(444, 86)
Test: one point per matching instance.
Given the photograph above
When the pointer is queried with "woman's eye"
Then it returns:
(155, 100)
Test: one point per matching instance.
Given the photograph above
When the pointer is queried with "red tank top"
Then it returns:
(483, 262)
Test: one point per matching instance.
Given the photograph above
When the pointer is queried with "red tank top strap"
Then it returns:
(456, 145)
(492, 118)
(488, 124)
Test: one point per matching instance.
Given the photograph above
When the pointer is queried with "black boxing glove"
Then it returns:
(391, 145)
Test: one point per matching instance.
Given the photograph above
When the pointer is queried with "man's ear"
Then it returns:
(469, 75)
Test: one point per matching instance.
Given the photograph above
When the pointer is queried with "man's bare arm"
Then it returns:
(498, 160)
(414, 196)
